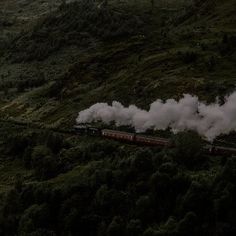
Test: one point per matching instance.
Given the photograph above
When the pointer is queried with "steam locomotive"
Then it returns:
(145, 140)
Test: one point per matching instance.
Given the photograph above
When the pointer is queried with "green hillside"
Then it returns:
(69, 60)
(59, 58)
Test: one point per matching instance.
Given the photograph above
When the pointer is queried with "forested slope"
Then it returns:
(57, 59)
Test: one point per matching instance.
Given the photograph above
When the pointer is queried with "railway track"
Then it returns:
(148, 140)
(37, 126)
(137, 139)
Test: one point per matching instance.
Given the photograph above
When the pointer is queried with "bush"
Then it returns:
(116, 227)
(44, 163)
(211, 63)
(54, 142)
(77, 23)
(18, 143)
(143, 208)
(188, 224)
(27, 157)
(142, 161)
(198, 200)
(134, 227)
(36, 218)
(188, 57)
(227, 45)
(189, 149)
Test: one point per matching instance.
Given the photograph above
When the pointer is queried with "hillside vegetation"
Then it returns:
(59, 58)
(79, 55)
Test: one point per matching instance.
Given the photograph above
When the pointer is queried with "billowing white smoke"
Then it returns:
(186, 114)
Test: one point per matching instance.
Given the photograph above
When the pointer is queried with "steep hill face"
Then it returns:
(56, 60)
(220, 13)
(81, 54)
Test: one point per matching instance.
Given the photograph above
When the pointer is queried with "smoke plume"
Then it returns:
(209, 120)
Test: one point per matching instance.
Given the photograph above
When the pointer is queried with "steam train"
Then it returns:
(146, 140)
(123, 136)
(219, 150)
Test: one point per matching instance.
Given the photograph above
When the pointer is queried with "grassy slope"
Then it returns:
(137, 69)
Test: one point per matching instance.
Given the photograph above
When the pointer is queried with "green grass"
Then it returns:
(148, 65)
(10, 171)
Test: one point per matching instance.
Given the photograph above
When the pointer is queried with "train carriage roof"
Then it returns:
(153, 138)
(117, 132)
(80, 126)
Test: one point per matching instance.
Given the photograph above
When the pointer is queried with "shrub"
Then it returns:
(227, 44)
(18, 143)
(188, 224)
(134, 227)
(27, 157)
(188, 149)
(116, 227)
(143, 208)
(54, 142)
(77, 23)
(35, 218)
(44, 163)
(142, 161)
(188, 57)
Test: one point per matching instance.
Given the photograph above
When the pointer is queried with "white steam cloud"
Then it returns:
(186, 114)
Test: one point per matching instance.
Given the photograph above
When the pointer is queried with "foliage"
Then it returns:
(188, 57)
(189, 149)
(73, 185)
(119, 191)
(79, 23)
